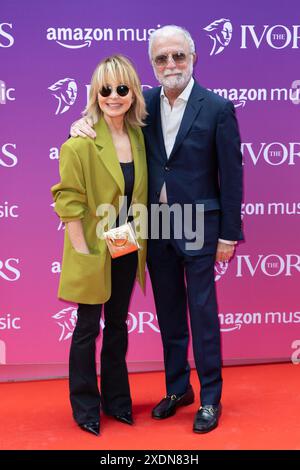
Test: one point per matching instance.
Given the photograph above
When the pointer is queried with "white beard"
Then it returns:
(179, 81)
(174, 82)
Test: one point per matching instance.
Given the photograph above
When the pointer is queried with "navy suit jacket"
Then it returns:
(205, 165)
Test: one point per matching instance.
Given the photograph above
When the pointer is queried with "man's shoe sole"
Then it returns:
(198, 431)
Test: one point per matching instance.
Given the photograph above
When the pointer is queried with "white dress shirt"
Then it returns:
(171, 118)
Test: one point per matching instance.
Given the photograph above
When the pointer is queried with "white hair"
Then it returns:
(171, 30)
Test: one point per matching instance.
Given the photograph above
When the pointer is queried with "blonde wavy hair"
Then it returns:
(119, 69)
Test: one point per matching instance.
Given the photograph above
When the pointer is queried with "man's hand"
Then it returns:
(83, 128)
(224, 252)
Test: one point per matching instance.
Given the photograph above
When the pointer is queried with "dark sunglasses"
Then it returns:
(106, 91)
(163, 59)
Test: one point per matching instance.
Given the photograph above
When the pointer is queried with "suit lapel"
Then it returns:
(159, 131)
(107, 152)
(136, 148)
(155, 123)
(192, 109)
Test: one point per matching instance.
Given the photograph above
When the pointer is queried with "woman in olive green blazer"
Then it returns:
(90, 176)
(94, 173)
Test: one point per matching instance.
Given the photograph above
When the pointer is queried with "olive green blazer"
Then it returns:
(91, 175)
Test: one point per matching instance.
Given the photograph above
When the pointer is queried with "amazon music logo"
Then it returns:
(271, 208)
(241, 96)
(6, 93)
(78, 38)
(234, 321)
(10, 322)
(8, 210)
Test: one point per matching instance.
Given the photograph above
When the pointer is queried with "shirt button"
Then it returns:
(167, 168)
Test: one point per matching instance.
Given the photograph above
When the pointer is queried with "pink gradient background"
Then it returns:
(32, 64)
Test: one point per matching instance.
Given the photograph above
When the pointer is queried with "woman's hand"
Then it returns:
(76, 236)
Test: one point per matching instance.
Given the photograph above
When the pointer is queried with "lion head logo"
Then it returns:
(220, 269)
(65, 91)
(66, 319)
(220, 31)
(61, 225)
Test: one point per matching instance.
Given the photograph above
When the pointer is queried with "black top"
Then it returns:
(128, 173)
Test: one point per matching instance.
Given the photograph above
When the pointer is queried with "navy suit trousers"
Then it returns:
(179, 280)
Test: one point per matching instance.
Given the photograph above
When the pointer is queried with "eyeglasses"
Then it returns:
(122, 90)
(163, 59)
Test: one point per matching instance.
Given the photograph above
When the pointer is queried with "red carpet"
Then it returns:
(261, 408)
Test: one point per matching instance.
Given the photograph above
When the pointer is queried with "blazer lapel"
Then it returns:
(192, 109)
(107, 152)
(159, 131)
(155, 123)
(137, 149)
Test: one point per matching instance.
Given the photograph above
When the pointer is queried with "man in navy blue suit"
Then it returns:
(194, 160)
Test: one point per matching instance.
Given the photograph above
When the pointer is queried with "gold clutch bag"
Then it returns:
(121, 240)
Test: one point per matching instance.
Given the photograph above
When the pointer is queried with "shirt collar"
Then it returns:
(185, 93)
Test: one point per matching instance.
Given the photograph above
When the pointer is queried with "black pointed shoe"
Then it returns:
(167, 406)
(93, 427)
(125, 418)
(207, 418)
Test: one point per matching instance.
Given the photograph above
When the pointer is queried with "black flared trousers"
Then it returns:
(115, 392)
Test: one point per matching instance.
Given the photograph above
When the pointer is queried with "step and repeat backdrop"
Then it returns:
(249, 53)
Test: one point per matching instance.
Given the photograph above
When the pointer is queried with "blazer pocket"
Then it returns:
(85, 255)
(83, 278)
(84, 268)
(196, 132)
(209, 204)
